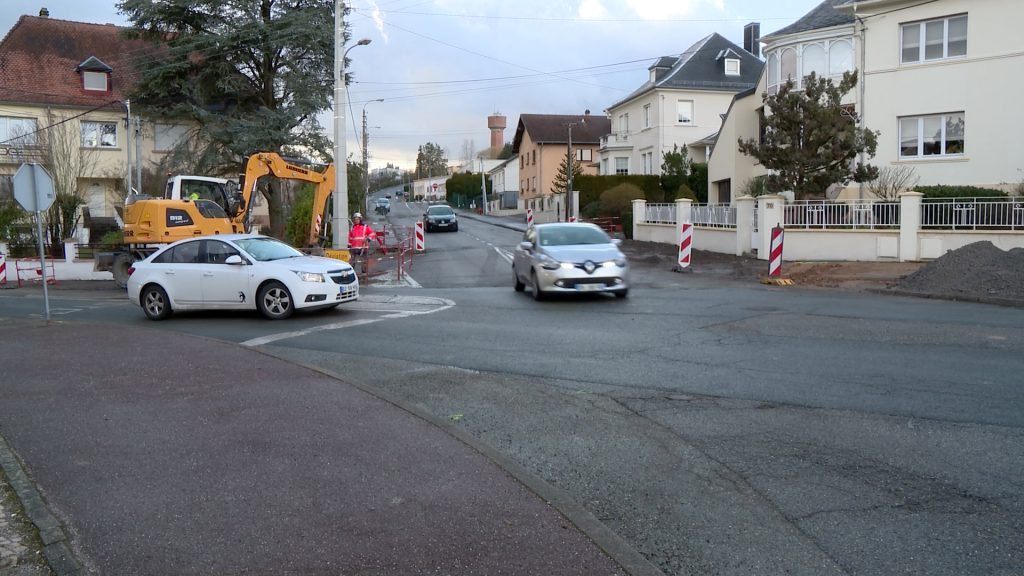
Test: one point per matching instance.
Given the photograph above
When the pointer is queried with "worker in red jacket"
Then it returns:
(360, 235)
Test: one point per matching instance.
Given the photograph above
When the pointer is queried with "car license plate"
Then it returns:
(442, 224)
(589, 287)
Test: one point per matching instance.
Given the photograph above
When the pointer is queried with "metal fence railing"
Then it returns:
(713, 215)
(856, 214)
(660, 214)
(973, 213)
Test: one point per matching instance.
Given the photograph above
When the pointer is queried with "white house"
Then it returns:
(938, 80)
(681, 103)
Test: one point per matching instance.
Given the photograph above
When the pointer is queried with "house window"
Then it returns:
(936, 135)
(840, 57)
(787, 66)
(584, 154)
(621, 165)
(167, 136)
(95, 81)
(684, 111)
(647, 115)
(934, 39)
(732, 67)
(533, 157)
(17, 131)
(648, 158)
(604, 166)
(522, 161)
(534, 183)
(815, 61)
(624, 124)
(99, 134)
(773, 73)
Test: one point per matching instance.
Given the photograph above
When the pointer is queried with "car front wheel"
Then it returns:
(274, 301)
(538, 294)
(517, 284)
(155, 303)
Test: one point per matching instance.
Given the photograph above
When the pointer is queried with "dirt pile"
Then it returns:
(978, 271)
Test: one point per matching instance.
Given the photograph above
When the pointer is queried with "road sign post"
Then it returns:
(33, 189)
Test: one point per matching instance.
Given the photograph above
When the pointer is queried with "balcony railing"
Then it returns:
(615, 139)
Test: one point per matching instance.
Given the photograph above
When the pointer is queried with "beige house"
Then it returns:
(63, 89)
(542, 142)
(680, 104)
(938, 80)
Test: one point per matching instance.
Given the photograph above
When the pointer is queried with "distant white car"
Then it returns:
(238, 272)
(569, 258)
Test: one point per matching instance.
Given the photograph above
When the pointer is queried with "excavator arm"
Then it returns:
(263, 163)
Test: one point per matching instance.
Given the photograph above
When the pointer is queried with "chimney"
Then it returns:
(44, 13)
(752, 38)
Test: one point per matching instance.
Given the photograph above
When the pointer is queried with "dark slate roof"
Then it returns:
(554, 129)
(823, 15)
(39, 59)
(702, 67)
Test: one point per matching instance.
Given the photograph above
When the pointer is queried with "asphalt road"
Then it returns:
(719, 427)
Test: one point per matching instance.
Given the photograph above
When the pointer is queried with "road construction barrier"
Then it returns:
(31, 270)
(419, 237)
(572, 218)
(775, 253)
(685, 245)
(3, 269)
(529, 217)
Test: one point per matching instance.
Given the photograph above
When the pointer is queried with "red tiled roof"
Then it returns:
(39, 55)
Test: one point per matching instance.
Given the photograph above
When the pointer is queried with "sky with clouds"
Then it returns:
(443, 66)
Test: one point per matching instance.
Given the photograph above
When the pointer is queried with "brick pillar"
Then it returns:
(910, 226)
(744, 223)
(769, 215)
(639, 216)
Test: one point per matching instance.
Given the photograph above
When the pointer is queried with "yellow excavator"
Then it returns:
(203, 206)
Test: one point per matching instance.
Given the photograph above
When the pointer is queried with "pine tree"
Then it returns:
(560, 181)
(811, 140)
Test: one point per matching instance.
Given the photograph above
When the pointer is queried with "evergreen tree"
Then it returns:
(561, 179)
(675, 169)
(431, 161)
(811, 140)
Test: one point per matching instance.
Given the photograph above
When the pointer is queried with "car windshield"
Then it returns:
(571, 236)
(440, 211)
(267, 249)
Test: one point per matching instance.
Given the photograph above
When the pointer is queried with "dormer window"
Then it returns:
(732, 67)
(95, 75)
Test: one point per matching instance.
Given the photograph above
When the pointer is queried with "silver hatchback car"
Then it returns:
(569, 258)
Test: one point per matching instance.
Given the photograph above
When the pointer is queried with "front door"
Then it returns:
(225, 285)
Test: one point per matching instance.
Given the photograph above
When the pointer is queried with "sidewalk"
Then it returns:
(172, 454)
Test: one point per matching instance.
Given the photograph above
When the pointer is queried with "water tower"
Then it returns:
(496, 122)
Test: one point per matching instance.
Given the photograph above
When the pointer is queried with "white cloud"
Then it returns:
(378, 21)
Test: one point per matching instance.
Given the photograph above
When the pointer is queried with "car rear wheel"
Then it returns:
(455, 228)
(274, 301)
(155, 303)
(622, 293)
(517, 284)
(538, 294)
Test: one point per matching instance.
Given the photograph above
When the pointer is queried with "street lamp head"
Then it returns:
(363, 42)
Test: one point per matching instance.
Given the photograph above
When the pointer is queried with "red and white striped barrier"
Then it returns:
(685, 246)
(529, 217)
(316, 227)
(775, 253)
(3, 268)
(572, 218)
(419, 237)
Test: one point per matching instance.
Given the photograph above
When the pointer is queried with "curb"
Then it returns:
(1006, 302)
(492, 222)
(620, 551)
(56, 548)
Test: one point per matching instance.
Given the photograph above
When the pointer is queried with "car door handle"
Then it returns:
(207, 274)
(169, 272)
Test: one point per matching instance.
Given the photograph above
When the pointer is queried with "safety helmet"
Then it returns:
(357, 215)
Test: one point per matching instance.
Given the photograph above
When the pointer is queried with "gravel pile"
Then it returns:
(978, 271)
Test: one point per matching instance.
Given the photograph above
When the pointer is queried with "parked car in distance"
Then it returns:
(569, 258)
(440, 217)
(238, 272)
(382, 206)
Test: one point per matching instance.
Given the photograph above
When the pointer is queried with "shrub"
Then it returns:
(944, 191)
(618, 200)
(297, 228)
(112, 239)
(698, 180)
(684, 191)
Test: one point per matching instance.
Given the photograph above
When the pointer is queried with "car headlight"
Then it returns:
(310, 276)
(620, 262)
(548, 263)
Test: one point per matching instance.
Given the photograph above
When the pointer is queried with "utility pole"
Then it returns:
(483, 188)
(138, 153)
(128, 146)
(569, 164)
(366, 168)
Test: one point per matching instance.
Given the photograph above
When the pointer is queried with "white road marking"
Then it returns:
(504, 254)
(396, 306)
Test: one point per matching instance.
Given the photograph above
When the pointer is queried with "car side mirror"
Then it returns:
(234, 260)
(526, 246)
(617, 241)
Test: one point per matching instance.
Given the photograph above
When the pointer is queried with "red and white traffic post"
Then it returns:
(775, 253)
(529, 217)
(685, 246)
(419, 236)
(3, 269)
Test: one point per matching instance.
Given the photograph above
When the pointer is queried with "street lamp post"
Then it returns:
(340, 204)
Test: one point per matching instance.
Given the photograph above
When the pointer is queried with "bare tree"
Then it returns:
(468, 150)
(892, 180)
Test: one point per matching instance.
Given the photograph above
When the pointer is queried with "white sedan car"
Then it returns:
(569, 258)
(238, 272)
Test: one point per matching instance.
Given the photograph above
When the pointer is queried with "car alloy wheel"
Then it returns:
(274, 301)
(155, 303)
